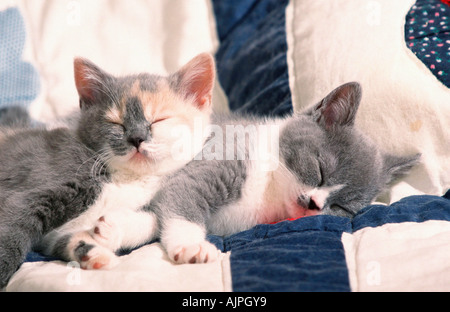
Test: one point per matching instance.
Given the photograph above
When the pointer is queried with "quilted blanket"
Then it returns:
(274, 57)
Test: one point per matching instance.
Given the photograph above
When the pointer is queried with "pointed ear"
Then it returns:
(89, 80)
(196, 80)
(339, 107)
(397, 167)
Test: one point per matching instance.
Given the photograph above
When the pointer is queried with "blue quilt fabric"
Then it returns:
(302, 255)
(19, 81)
(307, 254)
(251, 59)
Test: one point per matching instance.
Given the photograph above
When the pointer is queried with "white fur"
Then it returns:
(115, 197)
(267, 195)
(320, 195)
(125, 228)
(96, 258)
(185, 242)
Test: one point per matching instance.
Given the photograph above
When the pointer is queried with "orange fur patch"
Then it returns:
(163, 103)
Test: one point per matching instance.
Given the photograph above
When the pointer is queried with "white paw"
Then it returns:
(195, 253)
(98, 257)
(107, 233)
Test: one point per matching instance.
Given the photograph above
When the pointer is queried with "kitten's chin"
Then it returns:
(133, 164)
(139, 158)
(296, 211)
(139, 164)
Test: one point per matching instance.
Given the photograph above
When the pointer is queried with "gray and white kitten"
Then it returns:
(323, 165)
(55, 184)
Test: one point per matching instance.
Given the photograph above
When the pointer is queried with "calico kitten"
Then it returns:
(57, 183)
(324, 165)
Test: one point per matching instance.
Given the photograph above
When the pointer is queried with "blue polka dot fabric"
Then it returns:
(427, 34)
(19, 81)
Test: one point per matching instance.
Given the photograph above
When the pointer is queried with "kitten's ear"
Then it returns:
(339, 107)
(196, 80)
(89, 80)
(397, 167)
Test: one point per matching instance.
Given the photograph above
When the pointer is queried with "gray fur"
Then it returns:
(320, 146)
(109, 91)
(45, 180)
(323, 148)
(59, 250)
(82, 249)
(200, 189)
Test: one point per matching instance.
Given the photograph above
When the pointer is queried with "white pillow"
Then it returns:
(404, 108)
(122, 37)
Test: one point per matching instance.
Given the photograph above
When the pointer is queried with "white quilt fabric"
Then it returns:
(404, 108)
(145, 269)
(405, 256)
(121, 37)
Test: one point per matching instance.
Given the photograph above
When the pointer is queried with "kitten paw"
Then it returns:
(107, 233)
(196, 253)
(92, 257)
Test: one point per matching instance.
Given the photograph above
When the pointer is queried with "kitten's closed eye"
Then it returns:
(321, 176)
(159, 120)
(117, 124)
